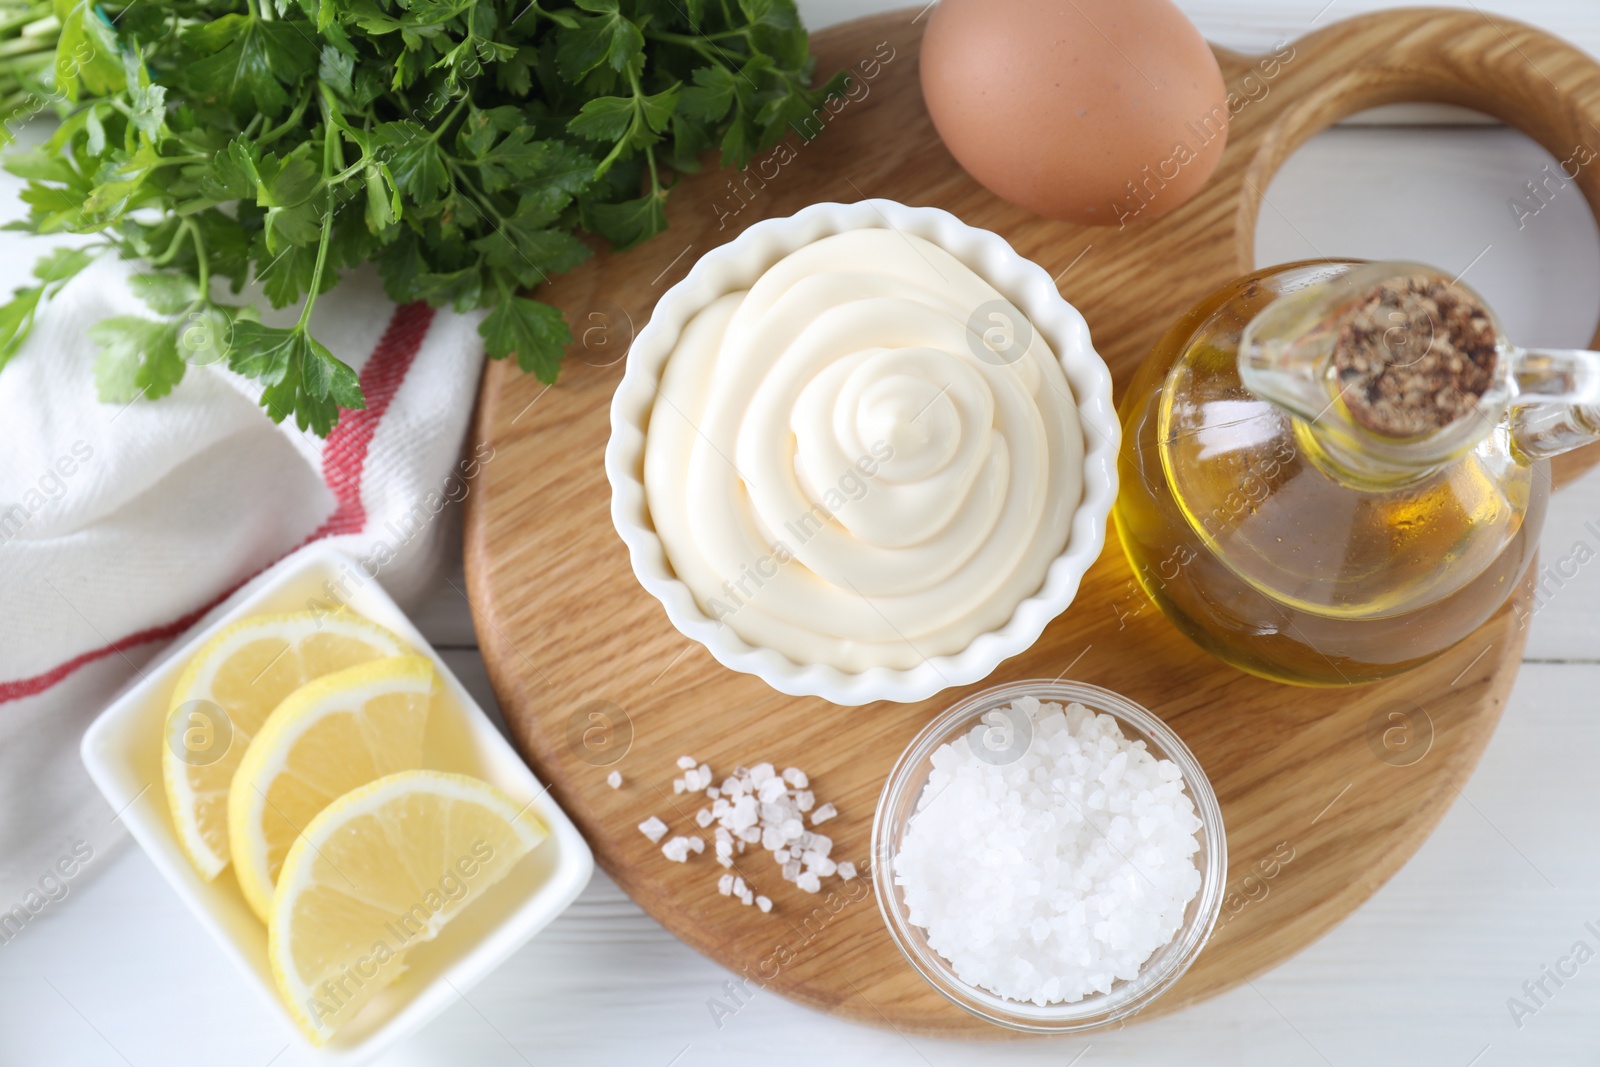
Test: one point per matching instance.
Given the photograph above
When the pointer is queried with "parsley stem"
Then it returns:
(477, 194)
(331, 158)
(633, 125)
(172, 249)
(349, 172)
(438, 132)
(322, 259)
(696, 41)
(203, 269)
(289, 123)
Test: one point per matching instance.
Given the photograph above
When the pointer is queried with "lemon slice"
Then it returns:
(327, 737)
(379, 871)
(226, 693)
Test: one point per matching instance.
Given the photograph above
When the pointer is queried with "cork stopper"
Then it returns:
(1417, 354)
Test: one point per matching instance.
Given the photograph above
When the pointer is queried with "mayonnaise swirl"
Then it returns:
(836, 474)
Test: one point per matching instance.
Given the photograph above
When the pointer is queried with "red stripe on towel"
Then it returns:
(345, 457)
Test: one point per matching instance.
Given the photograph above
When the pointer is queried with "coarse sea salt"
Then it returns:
(1051, 877)
(754, 806)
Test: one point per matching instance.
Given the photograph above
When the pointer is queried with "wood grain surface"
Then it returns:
(567, 631)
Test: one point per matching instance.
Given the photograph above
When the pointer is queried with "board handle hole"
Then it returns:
(1482, 200)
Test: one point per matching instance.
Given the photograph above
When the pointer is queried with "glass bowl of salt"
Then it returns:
(1049, 855)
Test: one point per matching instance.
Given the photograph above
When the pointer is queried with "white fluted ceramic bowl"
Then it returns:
(736, 265)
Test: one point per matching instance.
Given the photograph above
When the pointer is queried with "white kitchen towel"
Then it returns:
(122, 525)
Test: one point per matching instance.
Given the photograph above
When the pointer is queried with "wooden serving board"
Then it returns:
(1325, 793)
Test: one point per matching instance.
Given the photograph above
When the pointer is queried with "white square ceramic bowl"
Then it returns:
(736, 265)
(123, 754)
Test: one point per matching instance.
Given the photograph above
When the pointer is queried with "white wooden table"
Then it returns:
(1420, 976)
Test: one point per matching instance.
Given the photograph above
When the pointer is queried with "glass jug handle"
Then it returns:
(1555, 404)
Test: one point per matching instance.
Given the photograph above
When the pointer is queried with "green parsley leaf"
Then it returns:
(61, 264)
(608, 37)
(138, 356)
(88, 59)
(605, 118)
(301, 376)
(166, 294)
(413, 157)
(535, 332)
(250, 70)
(711, 95)
(528, 248)
(53, 270)
(16, 316)
(632, 221)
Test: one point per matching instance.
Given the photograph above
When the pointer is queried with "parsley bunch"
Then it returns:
(464, 145)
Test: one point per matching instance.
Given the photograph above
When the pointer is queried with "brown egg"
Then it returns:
(1096, 111)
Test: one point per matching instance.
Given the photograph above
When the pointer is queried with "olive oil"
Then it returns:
(1270, 540)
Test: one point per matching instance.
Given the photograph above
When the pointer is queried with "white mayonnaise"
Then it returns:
(837, 475)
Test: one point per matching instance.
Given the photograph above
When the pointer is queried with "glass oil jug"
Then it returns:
(1334, 471)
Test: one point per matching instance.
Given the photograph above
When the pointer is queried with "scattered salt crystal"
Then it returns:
(847, 870)
(1081, 853)
(746, 812)
(754, 805)
(614, 779)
